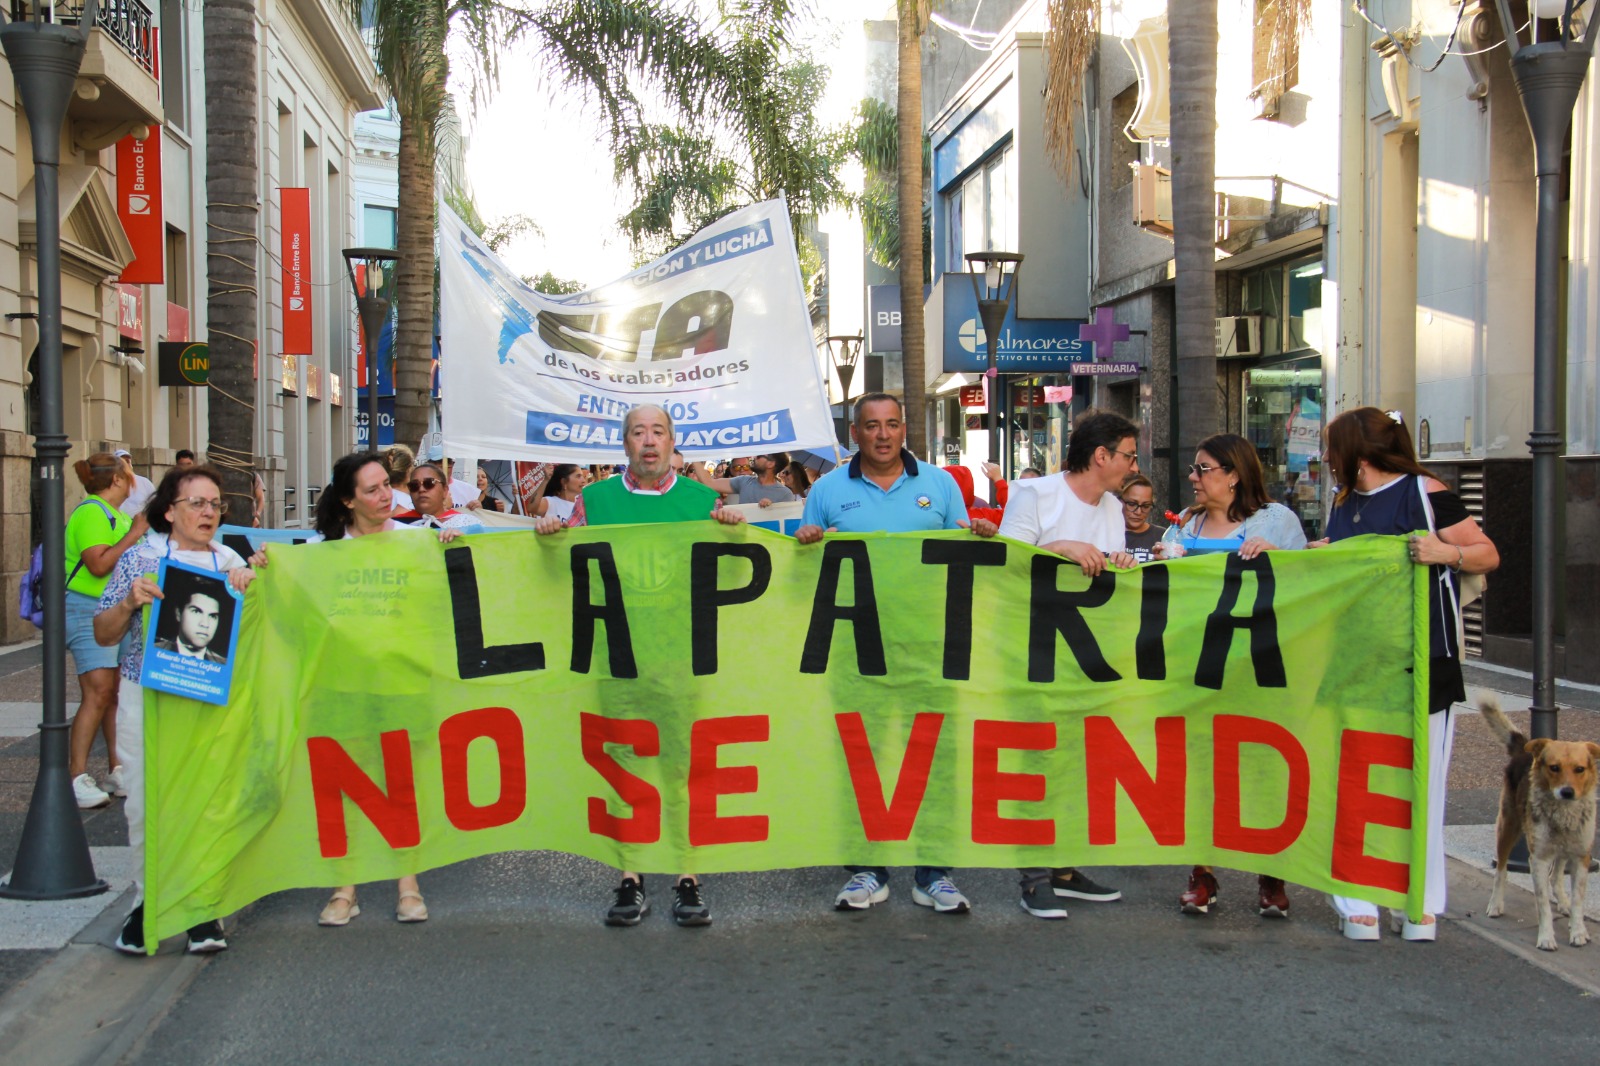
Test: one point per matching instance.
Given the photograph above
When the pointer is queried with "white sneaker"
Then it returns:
(860, 892)
(942, 896)
(113, 782)
(89, 794)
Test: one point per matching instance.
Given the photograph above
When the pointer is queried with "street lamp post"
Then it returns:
(53, 860)
(845, 351)
(994, 283)
(1549, 76)
(366, 267)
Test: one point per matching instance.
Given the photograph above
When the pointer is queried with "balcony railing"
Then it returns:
(128, 22)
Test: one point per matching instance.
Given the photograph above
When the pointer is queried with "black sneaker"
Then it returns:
(631, 905)
(131, 940)
(206, 938)
(1040, 902)
(1075, 884)
(687, 906)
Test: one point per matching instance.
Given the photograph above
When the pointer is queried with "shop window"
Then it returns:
(1283, 419)
(1262, 294)
(379, 226)
(977, 212)
(1305, 304)
(177, 252)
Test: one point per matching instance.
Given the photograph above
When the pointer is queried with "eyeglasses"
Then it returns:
(201, 504)
(1132, 457)
(1129, 505)
(419, 484)
(1202, 469)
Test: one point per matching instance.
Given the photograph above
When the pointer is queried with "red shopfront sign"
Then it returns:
(294, 209)
(130, 319)
(1026, 395)
(972, 396)
(139, 208)
(177, 322)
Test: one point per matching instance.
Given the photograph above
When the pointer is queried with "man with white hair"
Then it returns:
(648, 490)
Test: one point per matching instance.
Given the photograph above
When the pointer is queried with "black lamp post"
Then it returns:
(367, 270)
(994, 283)
(53, 859)
(1549, 75)
(845, 351)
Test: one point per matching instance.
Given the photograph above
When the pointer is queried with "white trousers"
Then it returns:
(1441, 737)
(130, 753)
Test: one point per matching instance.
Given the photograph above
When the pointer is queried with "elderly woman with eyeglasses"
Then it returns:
(1231, 512)
(185, 513)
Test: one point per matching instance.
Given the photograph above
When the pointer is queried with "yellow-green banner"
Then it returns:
(711, 698)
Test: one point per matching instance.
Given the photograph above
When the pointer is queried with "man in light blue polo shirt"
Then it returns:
(886, 489)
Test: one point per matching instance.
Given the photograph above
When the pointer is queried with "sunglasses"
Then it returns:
(419, 484)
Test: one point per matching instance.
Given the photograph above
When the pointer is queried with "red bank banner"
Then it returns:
(139, 208)
(295, 212)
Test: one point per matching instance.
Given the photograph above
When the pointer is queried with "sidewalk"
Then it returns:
(32, 933)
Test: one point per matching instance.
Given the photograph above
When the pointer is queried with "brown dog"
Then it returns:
(1549, 796)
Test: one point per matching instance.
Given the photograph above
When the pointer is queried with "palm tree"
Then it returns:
(912, 21)
(684, 178)
(1192, 40)
(232, 220)
(599, 48)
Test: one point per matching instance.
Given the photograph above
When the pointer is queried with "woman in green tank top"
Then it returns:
(97, 535)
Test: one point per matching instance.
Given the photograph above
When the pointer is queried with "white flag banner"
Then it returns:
(717, 333)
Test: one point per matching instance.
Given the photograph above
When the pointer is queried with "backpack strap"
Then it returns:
(109, 518)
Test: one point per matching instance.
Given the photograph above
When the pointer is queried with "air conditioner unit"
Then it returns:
(1238, 335)
(1152, 198)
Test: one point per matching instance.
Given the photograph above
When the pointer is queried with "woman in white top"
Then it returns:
(561, 492)
(185, 513)
(356, 503)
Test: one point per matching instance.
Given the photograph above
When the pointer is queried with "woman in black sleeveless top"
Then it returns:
(1384, 490)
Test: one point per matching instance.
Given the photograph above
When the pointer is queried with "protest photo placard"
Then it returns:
(189, 645)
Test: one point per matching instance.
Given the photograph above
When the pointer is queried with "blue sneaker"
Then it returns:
(942, 895)
(860, 892)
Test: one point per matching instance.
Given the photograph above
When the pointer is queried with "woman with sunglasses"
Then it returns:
(1138, 500)
(1231, 506)
(1384, 490)
(430, 499)
(185, 513)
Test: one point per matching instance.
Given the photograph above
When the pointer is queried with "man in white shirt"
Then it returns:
(1077, 515)
(143, 487)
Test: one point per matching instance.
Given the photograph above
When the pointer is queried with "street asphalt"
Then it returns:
(514, 965)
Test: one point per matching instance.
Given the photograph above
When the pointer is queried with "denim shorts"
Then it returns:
(86, 654)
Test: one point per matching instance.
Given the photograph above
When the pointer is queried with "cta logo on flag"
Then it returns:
(294, 210)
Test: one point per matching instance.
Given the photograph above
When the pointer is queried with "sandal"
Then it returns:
(340, 909)
(1354, 930)
(1425, 930)
(411, 908)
